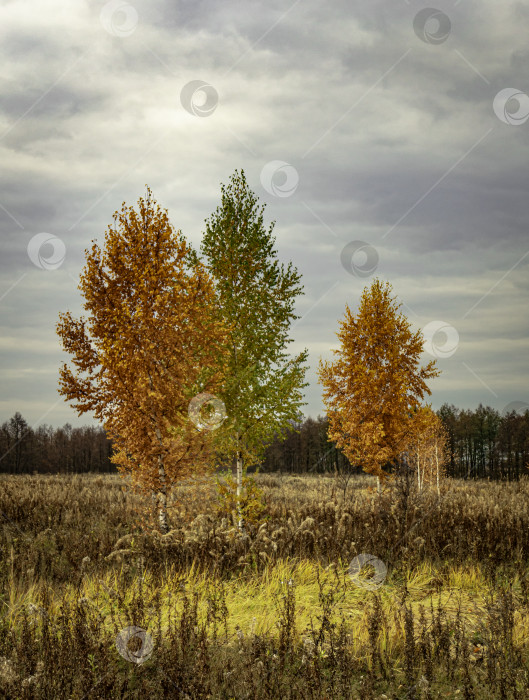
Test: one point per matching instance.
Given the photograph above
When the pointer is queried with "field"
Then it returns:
(276, 613)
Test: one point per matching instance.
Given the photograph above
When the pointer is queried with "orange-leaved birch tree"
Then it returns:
(152, 341)
(374, 386)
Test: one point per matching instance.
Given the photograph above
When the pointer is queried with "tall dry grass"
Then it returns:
(274, 612)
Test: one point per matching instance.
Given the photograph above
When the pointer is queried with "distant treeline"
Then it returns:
(483, 443)
(48, 450)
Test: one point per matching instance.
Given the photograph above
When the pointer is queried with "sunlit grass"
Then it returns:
(466, 550)
(252, 600)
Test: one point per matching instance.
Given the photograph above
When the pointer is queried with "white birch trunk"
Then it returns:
(161, 494)
(437, 470)
(239, 487)
(162, 490)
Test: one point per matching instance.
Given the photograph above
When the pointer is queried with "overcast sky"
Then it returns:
(384, 136)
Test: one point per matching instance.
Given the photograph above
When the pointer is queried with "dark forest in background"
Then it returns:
(484, 443)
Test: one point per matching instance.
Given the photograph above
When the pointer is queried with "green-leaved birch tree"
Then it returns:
(262, 389)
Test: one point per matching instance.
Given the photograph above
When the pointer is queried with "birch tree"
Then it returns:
(262, 390)
(373, 388)
(151, 342)
(428, 448)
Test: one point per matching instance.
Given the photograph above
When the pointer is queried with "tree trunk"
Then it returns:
(162, 490)
(437, 465)
(161, 494)
(239, 488)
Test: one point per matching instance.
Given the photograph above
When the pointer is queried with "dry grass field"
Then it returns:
(277, 612)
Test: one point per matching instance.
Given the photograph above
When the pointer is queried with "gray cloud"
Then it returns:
(394, 140)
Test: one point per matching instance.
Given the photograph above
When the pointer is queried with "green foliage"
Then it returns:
(252, 503)
(255, 297)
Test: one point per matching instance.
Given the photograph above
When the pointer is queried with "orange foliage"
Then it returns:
(375, 385)
(153, 340)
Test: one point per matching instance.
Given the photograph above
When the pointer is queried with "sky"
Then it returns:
(387, 139)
